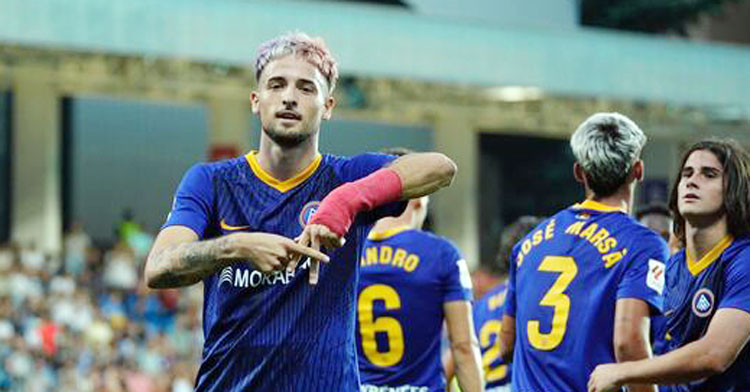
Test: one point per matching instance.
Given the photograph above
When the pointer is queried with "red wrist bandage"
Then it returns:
(338, 210)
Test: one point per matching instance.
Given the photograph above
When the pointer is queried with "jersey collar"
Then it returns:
(696, 267)
(596, 206)
(286, 185)
(381, 235)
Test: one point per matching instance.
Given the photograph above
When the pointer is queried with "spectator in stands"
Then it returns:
(76, 243)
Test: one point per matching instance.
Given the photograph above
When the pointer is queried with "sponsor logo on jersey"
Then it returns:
(703, 302)
(226, 276)
(245, 277)
(307, 212)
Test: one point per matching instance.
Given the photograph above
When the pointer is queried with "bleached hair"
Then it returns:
(606, 146)
(313, 50)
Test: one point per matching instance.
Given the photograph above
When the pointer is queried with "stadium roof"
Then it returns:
(391, 42)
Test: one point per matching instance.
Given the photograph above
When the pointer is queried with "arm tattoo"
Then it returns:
(186, 264)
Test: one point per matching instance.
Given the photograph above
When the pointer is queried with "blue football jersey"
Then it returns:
(406, 276)
(565, 279)
(276, 332)
(696, 289)
(488, 317)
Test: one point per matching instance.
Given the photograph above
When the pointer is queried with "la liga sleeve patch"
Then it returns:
(655, 277)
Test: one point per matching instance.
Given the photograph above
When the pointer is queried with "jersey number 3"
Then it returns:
(369, 325)
(556, 298)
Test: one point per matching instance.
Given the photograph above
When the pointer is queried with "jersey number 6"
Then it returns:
(369, 325)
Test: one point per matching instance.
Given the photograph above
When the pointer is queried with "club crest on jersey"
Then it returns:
(703, 302)
(307, 212)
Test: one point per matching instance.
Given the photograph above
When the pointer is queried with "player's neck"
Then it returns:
(617, 200)
(699, 240)
(386, 224)
(621, 199)
(284, 163)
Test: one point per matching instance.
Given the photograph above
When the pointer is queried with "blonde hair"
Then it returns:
(313, 50)
(606, 146)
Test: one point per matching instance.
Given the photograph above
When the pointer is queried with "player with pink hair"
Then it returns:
(273, 322)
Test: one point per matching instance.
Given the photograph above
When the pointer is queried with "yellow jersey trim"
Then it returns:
(381, 235)
(696, 267)
(286, 185)
(225, 226)
(596, 206)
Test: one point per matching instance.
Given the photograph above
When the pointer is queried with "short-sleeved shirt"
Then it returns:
(406, 277)
(488, 317)
(276, 332)
(696, 289)
(566, 277)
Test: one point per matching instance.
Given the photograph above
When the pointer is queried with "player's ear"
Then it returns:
(329, 104)
(638, 170)
(578, 173)
(254, 102)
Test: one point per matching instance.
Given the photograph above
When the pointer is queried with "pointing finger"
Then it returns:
(315, 264)
(310, 252)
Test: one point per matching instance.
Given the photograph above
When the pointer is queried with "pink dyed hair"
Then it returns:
(313, 50)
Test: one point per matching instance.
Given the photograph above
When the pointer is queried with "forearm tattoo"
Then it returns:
(186, 264)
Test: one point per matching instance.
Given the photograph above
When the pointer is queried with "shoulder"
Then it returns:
(366, 159)
(495, 298)
(677, 259)
(641, 237)
(439, 243)
(546, 229)
(211, 169)
(428, 243)
(740, 247)
(739, 256)
(562, 219)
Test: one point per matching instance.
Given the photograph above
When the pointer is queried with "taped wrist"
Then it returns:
(338, 210)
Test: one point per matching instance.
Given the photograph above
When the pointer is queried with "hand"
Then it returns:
(605, 378)
(269, 252)
(316, 236)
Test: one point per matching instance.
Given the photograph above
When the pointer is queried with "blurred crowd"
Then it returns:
(83, 320)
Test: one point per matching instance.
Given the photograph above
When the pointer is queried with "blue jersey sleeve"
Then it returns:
(193, 200)
(360, 166)
(510, 295)
(455, 278)
(737, 283)
(645, 275)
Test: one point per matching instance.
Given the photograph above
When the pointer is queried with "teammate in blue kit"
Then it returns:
(488, 310)
(584, 282)
(410, 281)
(708, 282)
(233, 223)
